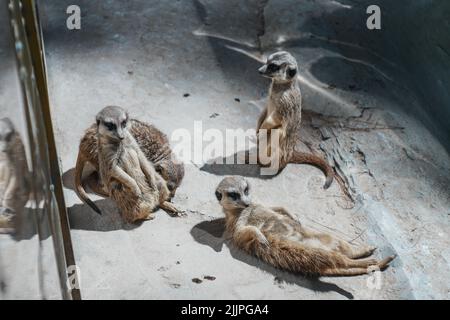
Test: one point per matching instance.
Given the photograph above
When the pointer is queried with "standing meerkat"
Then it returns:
(283, 112)
(153, 143)
(129, 177)
(14, 186)
(278, 238)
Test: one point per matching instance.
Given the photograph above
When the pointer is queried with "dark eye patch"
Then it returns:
(111, 126)
(9, 136)
(292, 72)
(218, 195)
(124, 123)
(233, 195)
(272, 67)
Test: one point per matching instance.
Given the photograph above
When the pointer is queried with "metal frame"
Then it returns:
(30, 55)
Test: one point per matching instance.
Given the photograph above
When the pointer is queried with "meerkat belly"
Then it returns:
(130, 164)
(271, 119)
(279, 227)
(292, 233)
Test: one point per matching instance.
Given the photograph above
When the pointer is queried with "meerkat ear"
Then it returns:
(292, 72)
(218, 195)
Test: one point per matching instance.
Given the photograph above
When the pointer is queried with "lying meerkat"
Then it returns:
(278, 238)
(129, 177)
(283, 112)
(153, 143)
(14, 187)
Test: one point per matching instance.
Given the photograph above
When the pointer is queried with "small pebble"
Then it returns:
(211, 278)
(197, 280)
(237, 99)
(186, 95)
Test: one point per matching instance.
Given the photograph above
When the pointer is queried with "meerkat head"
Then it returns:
(233, 193)
(6, 134)
(281, 66)
(112, 123)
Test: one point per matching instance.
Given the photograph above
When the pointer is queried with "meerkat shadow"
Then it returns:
(211, 233)
(82, 217)
(68, 179)
(242, 163)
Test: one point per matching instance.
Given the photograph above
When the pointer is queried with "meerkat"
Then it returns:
(129, 177)
(14, 186)
(153, 143)
(278, 238)
(283, 112)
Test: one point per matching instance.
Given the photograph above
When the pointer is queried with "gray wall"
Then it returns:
(415, 35)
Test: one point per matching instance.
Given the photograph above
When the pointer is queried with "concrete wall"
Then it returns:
(414, 42)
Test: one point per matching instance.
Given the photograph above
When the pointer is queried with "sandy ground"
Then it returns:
(146, 55)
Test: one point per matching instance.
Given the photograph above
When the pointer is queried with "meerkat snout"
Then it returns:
(280, 66)
(112, 122)
(233, 193)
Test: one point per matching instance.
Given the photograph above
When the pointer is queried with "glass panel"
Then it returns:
(28, 263)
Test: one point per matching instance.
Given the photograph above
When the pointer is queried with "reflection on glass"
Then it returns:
(31, 262)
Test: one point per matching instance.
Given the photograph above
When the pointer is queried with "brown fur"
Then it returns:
(278, 238)
(153, 143)
(152, 190)
(129, 178)
(283, 112)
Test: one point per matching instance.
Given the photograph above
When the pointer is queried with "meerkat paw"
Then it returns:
(383, 264)
(263, 241)
(364, 252)
(150, 216)
(370, 250)
(180, 213)
(172, 209)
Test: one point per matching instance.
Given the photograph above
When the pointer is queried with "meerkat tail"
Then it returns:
(93, 182)
(303, 157)
(79, 189)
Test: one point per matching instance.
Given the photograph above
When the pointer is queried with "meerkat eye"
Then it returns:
(272, 67)
(218, 195)
(292, 72)
(246, 190)
(9, 136)
(111, 126)
(124, 123)
(233, 195)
